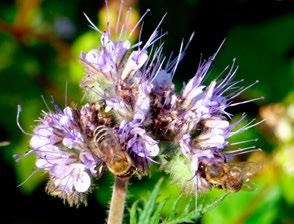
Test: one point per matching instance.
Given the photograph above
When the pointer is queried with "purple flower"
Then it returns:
(134, 106)
(116, 63)
(140, 146)
(107, 60)
(61, 150)
(206, 151)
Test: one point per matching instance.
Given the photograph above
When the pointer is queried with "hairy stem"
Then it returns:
(118, 199)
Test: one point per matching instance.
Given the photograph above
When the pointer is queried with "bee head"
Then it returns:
(120, 165)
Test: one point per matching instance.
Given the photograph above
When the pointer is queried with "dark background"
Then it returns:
(260, 34)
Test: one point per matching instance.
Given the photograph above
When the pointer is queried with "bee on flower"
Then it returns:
(134, 109)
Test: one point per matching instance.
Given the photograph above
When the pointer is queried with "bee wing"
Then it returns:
(248, 186)
(248, 171)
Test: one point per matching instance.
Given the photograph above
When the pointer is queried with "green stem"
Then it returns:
(118, 199)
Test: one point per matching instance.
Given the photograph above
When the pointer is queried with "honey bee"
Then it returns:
(229, 177)
(106, 146)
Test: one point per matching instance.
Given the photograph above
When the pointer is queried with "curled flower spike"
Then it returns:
(115, 68)
(61, 149)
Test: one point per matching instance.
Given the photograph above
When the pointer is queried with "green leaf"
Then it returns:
(174, 207)
(188, 214)
(152, 211)
(149, 207)
(187, 218)
(133, 213)
(156, 216)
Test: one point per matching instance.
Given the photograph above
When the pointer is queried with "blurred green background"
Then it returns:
(40, 43)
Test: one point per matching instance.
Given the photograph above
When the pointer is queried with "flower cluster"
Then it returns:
(133, 109)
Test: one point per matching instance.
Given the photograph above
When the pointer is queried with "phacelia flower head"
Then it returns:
(134, 109)
(60, 146)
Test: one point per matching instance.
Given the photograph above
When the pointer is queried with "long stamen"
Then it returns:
(107, 18)
(154, 34)
(19, 109)
(45, 103)
(118, 17)
(242, 151)
(245, 141)
(127, 23)
(167, 66)
(122, 30)
(243, 90)
(140, 34)
(29, 177)
(246, 101)
(178, 59)
(19, 157)
(230, 87)
(158, 70)
(137, 24)
(92, 24)
(65, 95)
(158, 38)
